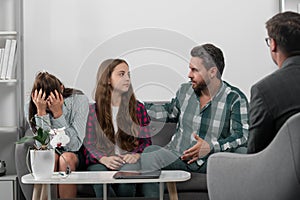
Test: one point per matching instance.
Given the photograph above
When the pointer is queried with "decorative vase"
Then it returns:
(42, 163)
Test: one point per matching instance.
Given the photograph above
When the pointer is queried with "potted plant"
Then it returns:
(42, 136)
(42, 155)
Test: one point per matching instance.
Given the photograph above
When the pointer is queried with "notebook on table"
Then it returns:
(137, 174)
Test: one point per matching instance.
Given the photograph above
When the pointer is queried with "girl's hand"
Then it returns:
(112, 162)
(38, 98)
(55, 103)
(131, 158)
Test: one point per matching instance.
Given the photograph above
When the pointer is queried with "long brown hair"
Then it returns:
(128, 123)
(48, 83)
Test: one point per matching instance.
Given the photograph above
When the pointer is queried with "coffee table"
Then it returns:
(92, 177)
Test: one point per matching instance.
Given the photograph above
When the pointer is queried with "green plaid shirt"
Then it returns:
(223, 122)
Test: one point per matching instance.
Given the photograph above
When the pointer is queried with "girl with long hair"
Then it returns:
(117, 130)
(53, 106)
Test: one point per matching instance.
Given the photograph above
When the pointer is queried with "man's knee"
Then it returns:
(152, 148)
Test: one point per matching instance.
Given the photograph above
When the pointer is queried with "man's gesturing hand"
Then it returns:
(200, 149)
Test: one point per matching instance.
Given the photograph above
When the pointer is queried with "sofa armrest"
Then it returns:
(222, 171)
(21, 166)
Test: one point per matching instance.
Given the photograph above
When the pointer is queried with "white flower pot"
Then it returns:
(42, 163)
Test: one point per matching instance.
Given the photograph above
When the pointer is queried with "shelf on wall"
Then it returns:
(8, 128)
(9, 81)
(8, 177)
(4, 33)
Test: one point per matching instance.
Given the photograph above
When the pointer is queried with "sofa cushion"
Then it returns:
(162, 132)
(196, 183)
(85, 190)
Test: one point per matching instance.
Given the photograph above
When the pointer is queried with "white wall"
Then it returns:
(70, 38)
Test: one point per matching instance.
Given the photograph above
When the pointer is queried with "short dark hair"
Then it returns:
(211, 55)
(284, 28)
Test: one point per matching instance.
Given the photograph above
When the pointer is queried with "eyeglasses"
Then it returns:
(268, 41)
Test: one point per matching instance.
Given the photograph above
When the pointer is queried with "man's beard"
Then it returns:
(199, 87)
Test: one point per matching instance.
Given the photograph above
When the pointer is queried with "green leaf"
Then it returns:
(25, 139)
(45, 137)
(40, 132)
(42, 136)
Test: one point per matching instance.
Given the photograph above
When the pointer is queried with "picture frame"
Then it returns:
(290, 5)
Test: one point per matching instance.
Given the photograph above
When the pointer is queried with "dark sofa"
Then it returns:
(195, 188)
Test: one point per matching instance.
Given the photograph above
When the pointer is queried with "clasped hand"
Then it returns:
(116, 162)
(199, 150)
(54, 102)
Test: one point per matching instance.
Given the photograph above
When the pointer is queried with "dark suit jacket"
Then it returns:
(273, 100)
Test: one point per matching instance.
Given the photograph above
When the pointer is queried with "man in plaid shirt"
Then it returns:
(211, 116)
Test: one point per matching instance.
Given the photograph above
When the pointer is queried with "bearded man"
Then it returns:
(211, 116)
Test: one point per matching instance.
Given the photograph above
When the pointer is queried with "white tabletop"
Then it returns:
(92, 177)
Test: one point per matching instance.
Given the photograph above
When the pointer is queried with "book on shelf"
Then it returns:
(11, 60)
(5, 59)
(1, 58)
